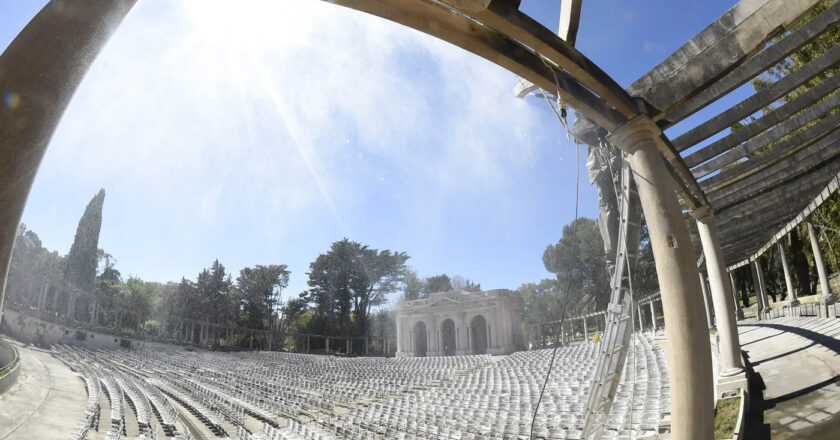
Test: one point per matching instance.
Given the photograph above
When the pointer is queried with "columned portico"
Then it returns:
(459, 323)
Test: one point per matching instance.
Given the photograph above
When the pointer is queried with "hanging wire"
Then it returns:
(568, 287)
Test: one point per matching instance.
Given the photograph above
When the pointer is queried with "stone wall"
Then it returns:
(36, 331)
(9, 366)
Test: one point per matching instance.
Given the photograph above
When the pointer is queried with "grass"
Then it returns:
(726, 416)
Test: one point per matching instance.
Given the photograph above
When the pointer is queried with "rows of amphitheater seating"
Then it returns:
(312, 397)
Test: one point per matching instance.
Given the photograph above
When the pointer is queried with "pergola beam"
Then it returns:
(755, 65)
(773, 155)
(768, 137)
(816, 156)
(779, 199)
(718, 49)
(569, 20)
(766, 121)
(759, 100)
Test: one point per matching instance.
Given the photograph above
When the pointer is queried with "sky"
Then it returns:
(261, 131)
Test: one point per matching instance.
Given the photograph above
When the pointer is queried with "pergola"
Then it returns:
(744, 190)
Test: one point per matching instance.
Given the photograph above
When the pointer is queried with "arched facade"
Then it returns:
(459, 323)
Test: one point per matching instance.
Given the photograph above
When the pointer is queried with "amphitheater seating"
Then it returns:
(313, 397)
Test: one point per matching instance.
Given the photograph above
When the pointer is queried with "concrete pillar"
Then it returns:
(347, 345)
(328, 344)
(400, 346)
(641, 317)
(827, 296)
(763, 282)
(653, 316)
(739, 313)
(729, 345)
(710, 319)
(687, 344)
(585, 330)
(39, 71)
(794, 299)
(759, 306)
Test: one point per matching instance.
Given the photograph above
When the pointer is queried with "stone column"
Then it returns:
(39, 72)
(585, 330)
(688, 347)
(641, 318)
(739, 313)
(761, 280)
(653, 316)
(794, 299)
(729, 345)
(759, 305)
(710, 319)
(400, 346)
(827, 296)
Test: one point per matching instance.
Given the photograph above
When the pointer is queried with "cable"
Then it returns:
(568, 286)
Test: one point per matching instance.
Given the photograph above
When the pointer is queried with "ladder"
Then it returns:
(619, 317)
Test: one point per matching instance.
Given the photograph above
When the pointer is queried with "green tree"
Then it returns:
(580, 267)
(347, 281)
(437, 283)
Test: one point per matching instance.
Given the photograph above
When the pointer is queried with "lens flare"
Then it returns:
(11, 100)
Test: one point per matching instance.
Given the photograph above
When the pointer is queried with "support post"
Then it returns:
(328, 345)
(307, 344)
(688, 347)
(739, 313)
(585, 330)
(794, 299)
(722, 299)
(761, 304)
(827, 296)
(39, 72)
(710, 320)
(763, 284)
(653, 317)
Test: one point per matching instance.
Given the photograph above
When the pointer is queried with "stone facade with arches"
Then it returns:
(459, 323)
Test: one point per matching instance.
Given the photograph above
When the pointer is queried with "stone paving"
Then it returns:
(47, 401)
(795, 391)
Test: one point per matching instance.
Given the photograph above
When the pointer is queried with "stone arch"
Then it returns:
(478, 334)
(448, 337)
(421, 341)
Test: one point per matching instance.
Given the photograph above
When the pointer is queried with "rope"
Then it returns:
(568, 287)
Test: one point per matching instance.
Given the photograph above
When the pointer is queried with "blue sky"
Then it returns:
(260, 133)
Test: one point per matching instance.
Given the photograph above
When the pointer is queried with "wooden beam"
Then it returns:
(779, 200)
(759, 100)
(831, 187)
(772, 155)
(723, 45)
(765, 122)
(503, 18)
(488, 35)
(768, 137)
(755, 65)
(569, 20)
(814, 157)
